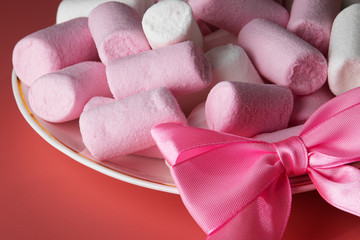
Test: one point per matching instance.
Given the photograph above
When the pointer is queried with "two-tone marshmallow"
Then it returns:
(181, 67)
(232, 15)
(305, 106)
(248, 109)
(282, 57)
(344, 51)
(61, 96)
(52, 49)
(312, 20)
(117, 31)
(218, 38)
(69, 9)
(123, 126)
(231, 63)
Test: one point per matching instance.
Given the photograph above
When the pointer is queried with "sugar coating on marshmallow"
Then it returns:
(123, 127)
(170, 22)
(231, 63)
(232, 15)
(218, 38)
(52, 49)
(61, 96)
(248, 109)
(197, 117)
(181, 67)
(305, 106)
(97, 101)
(312, 20)
(282, 57)
(70, 9)
(151, 152)
(344, 51)
(117, 31)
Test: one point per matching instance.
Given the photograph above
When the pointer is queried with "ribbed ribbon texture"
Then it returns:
(239, 188)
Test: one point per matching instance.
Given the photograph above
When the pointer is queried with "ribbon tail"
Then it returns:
(339, 186)
(264, 218)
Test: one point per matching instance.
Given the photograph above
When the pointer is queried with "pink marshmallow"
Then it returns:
(305, 106)
(218, 38)
(232, 15)
(151, 152)
(52, 49)
(123, 126)
(279, 135)
(181, 67)
(228, 63)
(61, 96)
(117, 31)
(197, 117)
(312, 20)
(98, 101)
(282, 57)
(247, 109)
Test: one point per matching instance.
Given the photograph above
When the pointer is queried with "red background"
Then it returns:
(47, 195)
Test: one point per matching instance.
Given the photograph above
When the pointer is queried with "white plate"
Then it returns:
(141, 171)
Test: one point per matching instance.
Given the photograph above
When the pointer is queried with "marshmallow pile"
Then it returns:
(254, 68)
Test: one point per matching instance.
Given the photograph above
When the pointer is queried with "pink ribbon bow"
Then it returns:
(238, 188)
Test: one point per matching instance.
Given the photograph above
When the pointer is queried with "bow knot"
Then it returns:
(239, 188)
(294, 156)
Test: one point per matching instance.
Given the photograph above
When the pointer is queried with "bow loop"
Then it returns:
(294, 156)
(236, 186)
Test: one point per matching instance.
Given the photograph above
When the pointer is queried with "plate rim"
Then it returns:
(30, 119)
(53, 141)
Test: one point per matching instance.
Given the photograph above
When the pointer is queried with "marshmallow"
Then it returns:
(181, 67)
(98, 101)
(305, 106)
(282, 57)
(52, 49)
(69, 9)
(218, 38)
(228, 63)
(312, 20)
(247, 109)
(151, 152)
(232, 15)
(170, 22)
(197, 117)
(344, 51)
(123, 127)
(279, 135)
(231, 63)
(117, 32)
(61, 96)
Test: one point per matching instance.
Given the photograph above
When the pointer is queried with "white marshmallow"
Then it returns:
(170, 22)
(69, 9)
(231, 63)
(344, 51)
(197, 117)
(218, 38)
